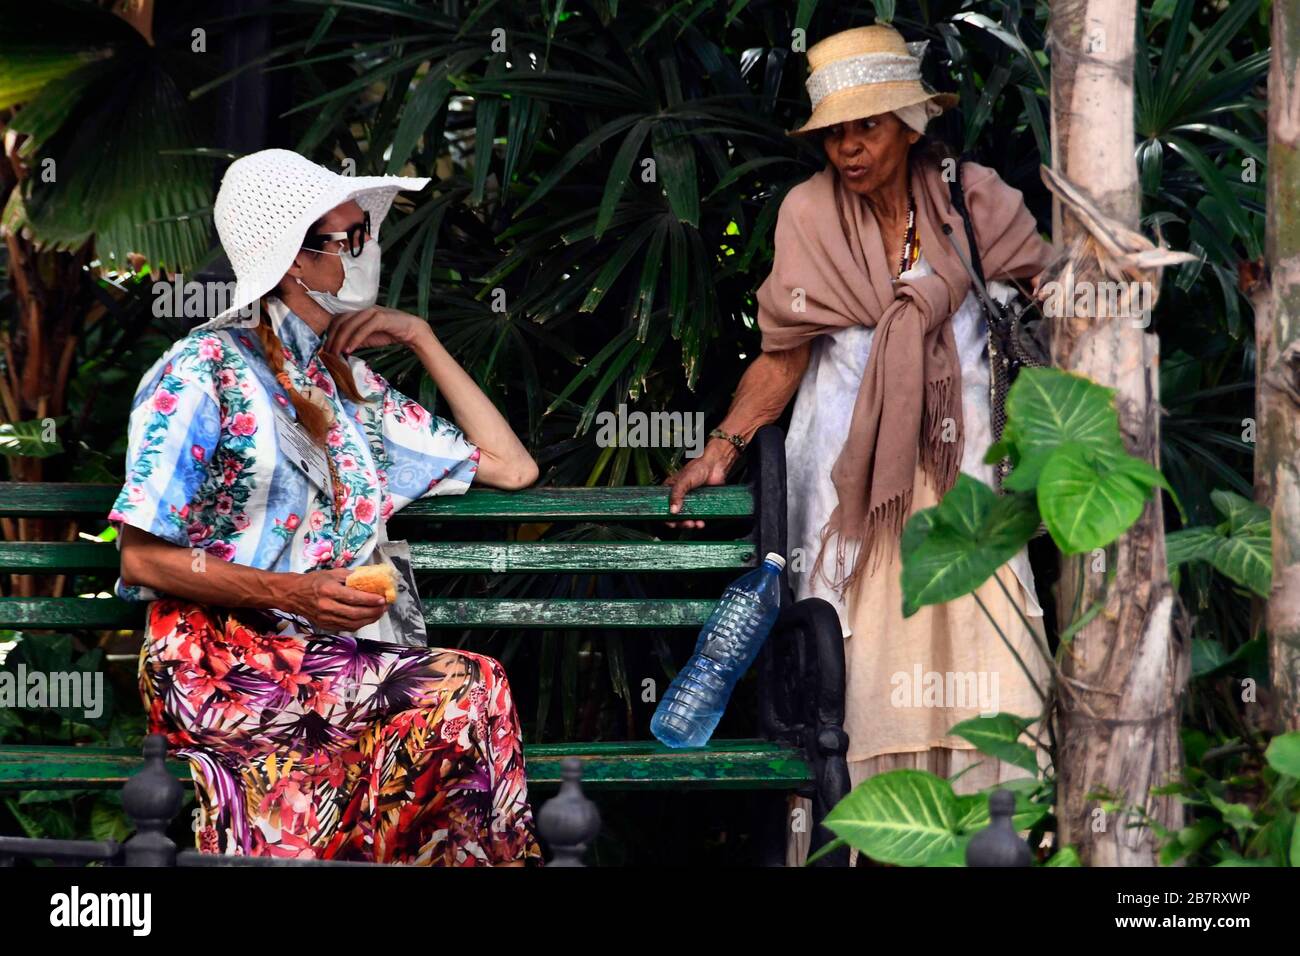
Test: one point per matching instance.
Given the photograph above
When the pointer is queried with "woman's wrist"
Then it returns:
(281, 592)
(422, 335)
(722, 451)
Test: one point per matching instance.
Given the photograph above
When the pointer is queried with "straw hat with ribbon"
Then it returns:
(267, 202)
(864, 72)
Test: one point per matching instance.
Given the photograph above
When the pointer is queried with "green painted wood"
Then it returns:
(606, 556)
(55, 499)
(52, 557)
(49, 557)
(508, 613)
(114, 613)
(583, 504)
(71, 613)
(37, 499)
(616, 765)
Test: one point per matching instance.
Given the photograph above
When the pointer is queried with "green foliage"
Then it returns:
(1239, 547)
(951, 549)
(904, 817)
(28, 439)
(1070, 470)
(1089, 498)
(1062, 436)
(108, 136)
(999, 736)
(1243, 803)
(914, 818)
(1046, 409)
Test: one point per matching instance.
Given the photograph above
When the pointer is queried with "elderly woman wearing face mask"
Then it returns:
(264, 461)
(869, 322)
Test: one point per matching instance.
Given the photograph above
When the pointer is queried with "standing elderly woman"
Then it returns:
(869, 317)
(263, 464)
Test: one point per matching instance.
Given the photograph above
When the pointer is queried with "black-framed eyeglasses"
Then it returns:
(355, 237)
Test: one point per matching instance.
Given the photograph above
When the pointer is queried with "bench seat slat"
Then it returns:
(115, 614)
(613, 765)
(35, 499)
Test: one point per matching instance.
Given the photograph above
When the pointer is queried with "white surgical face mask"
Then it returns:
(360, 288)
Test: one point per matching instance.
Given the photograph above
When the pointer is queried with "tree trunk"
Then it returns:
(1122, 673)
(1277, 332)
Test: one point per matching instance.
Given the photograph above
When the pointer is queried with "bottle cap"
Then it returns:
(775, 559)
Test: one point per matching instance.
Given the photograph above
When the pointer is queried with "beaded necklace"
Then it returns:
(911, 248)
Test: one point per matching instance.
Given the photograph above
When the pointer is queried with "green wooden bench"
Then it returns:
(800, 744)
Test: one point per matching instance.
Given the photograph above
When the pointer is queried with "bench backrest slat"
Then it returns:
(43, 557)
(38, 500)
(552, 555)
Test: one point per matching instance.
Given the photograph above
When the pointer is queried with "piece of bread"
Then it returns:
(375, 578)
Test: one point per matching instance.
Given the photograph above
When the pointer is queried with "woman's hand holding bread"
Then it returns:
(325, 599)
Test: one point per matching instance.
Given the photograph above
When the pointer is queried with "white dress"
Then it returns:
(820, 420)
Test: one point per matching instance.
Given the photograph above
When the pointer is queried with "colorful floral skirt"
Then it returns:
(332, 747)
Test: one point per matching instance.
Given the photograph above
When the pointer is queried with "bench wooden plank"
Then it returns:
(43, 613)
(562, 612)
(561, 557)
(57, 557)
(35, 499)
(582, 504)
(21, 499)
(70, 613)
(607, 765)
(49, 557)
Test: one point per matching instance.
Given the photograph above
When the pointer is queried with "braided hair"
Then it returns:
(313, 418)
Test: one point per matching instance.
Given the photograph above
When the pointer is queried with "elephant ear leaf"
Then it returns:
(1246, 552)
(1048, 408)
(1239, 547)
(999, 736)
(1088, 498)
(951, 549)
(903, 817)
(1283, 754)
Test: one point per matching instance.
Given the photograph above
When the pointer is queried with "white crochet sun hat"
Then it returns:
(267, 202)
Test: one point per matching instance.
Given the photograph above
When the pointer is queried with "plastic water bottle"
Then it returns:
(729, 642)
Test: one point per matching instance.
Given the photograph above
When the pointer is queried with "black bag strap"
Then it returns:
(995, 314)
(958, 195)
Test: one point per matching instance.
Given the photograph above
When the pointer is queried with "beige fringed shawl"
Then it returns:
(829, 272)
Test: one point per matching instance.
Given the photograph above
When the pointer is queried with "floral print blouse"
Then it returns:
(204, 468)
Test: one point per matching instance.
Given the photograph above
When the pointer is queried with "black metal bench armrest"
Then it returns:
(801, 668)
(801, 702)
